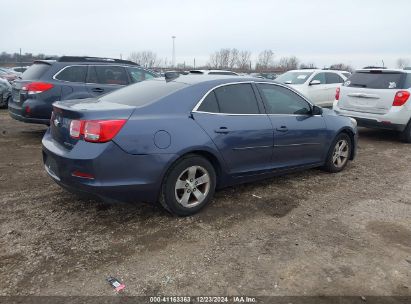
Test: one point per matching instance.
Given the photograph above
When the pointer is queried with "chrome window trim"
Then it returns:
(195, 109)
(91, 64)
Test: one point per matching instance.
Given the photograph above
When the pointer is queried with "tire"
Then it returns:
(405, 135)
(180, 194)
(339, 154)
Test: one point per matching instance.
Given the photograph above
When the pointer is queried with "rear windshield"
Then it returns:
(144, 92)
(376, 80)
(294, 77)
(35, 71)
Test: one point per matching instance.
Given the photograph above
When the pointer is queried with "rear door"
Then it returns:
(371, 91)
(102, 79)
(299, 136)
(73, 80)
(234, 119)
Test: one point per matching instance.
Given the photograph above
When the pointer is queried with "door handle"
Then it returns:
(282, 129)
(222, 130)
(97, 90)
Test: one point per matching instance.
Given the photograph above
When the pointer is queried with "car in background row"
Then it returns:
(8, 74)
(213, 72)
(5, 93)
(183, 138)
(270, 76)
(318, 85)
(19, 69)
(47, 81)
(378, 98)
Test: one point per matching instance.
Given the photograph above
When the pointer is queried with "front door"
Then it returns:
(299, 136)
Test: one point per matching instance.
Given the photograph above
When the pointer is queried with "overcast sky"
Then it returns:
(359, 33)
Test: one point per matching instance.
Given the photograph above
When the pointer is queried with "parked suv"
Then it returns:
(318, 85)
(47, 81)
(377, 98)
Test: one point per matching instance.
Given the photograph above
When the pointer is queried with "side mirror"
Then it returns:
(315, 82)
(317, 110)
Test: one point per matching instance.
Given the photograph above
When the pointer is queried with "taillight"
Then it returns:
(75, 128)
(400, 98)
(37, 87)
(98, 131)
(337, 94)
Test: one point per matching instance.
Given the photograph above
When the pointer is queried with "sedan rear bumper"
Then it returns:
(114, 175)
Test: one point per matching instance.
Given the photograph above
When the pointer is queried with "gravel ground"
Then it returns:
(310, 233)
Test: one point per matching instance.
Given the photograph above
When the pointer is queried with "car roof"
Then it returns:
(318, 70)
(384, 70)
(192, 79)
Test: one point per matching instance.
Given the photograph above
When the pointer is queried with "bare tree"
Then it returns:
(265, 60)
(288, 63)
(147, 59)
(403, 63)
(309, 65)
(224, 59)
(342, 67)
(244, 60)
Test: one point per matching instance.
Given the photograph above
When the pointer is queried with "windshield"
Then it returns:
(294, 77)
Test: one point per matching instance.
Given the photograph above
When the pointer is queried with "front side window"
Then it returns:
(73, 74)
(280, 100)
(333, 78)
(320, 77)
(237, 99)
(106, 74)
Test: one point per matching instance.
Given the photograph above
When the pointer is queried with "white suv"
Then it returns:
(318, 85)
(377, 98)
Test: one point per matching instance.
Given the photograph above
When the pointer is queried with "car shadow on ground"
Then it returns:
(379, 135)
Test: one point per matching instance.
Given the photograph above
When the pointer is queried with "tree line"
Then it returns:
(225, 58)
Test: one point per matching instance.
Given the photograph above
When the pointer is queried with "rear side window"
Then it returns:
(106, 74)
(376, 80)
(333, 78)
(210, 104)
(35, 71)
(280, 100)
(237, 99)
(144, 92)
(73, 74)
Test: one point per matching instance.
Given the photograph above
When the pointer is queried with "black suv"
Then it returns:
(68, 77)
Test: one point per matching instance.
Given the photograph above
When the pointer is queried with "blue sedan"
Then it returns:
(175, 141)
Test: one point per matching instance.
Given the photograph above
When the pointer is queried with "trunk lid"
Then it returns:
(371, 91)
(85, 109)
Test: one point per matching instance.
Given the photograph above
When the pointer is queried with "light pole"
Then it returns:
(173, 59)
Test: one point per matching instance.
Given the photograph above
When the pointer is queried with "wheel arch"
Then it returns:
(351, 134)
(210, 156)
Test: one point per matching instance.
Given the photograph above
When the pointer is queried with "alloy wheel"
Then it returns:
(192, 186)
(341, 153)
